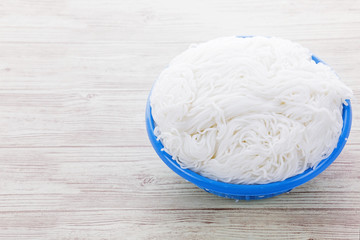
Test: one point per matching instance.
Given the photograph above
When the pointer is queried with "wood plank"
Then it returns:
(183, 224)
(36, 179)
(94, 193)
(86, 118)
(129, 20)
(126, 65)
(82, 118)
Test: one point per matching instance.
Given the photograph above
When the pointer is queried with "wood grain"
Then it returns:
(75, 161)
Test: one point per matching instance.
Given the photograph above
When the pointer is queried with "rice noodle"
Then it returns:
(248, 110)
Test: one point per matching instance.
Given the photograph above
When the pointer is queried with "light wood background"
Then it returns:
(75, 161)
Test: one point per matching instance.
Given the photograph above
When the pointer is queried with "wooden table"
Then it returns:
(75, 161)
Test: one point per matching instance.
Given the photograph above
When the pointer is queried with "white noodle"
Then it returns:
(248, 110)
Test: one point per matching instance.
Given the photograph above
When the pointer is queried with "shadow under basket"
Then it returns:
(255, 191)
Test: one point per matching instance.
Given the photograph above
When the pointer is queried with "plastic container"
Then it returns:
(256, 191)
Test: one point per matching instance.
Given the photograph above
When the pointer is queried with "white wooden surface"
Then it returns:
(75, 161)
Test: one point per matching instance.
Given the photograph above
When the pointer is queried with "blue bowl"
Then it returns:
(255, 191)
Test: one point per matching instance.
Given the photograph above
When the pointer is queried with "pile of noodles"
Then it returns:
(248, 110)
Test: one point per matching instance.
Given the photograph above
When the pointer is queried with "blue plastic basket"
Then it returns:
(256, 191)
